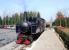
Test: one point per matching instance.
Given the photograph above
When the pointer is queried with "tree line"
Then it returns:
(12, 20)
(61, 20)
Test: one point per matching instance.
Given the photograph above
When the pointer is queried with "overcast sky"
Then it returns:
(47, 8)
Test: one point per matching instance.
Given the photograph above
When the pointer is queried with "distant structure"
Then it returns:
(49, 24)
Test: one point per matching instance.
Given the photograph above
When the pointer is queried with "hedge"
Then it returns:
(64, 36)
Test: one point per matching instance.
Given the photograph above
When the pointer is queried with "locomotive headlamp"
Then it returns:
(24, 27)
(25, 24)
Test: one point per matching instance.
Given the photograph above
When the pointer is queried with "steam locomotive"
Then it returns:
(29, 29)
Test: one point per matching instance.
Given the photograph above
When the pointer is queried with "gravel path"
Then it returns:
(48, 41)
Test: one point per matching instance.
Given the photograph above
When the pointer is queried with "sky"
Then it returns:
(47, 8)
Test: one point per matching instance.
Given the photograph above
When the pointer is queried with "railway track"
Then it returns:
(14, 46)
(10, 46)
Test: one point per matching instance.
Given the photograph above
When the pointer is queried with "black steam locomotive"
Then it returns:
(29, 29)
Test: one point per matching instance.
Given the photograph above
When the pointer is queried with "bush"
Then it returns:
(64, 37)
